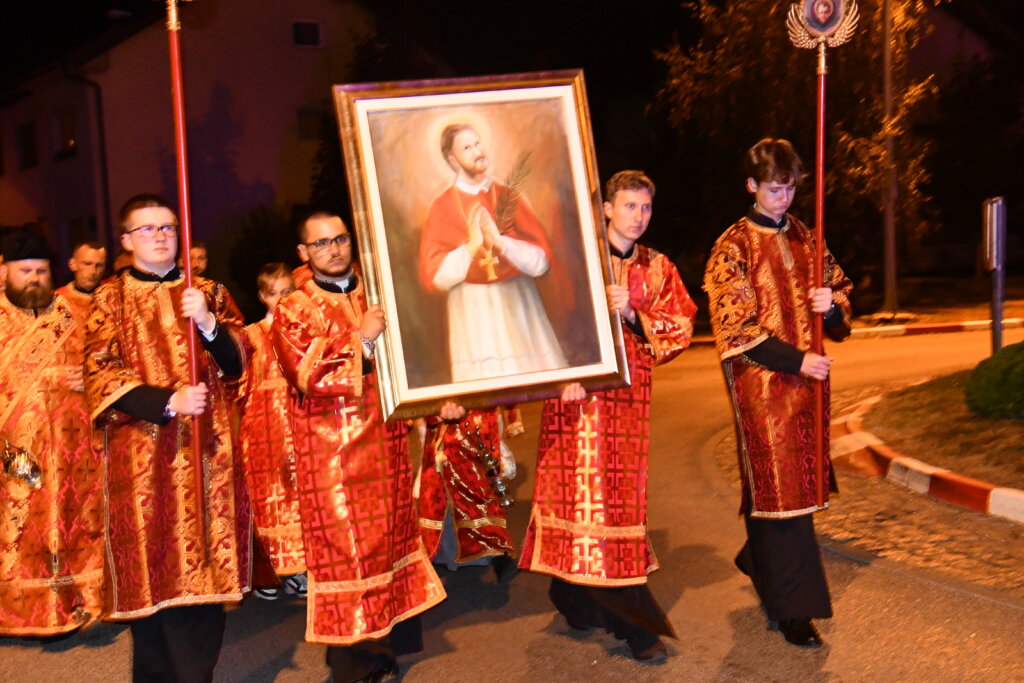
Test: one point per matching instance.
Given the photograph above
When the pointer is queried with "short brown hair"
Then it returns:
(271, 273)
(88, 244)
(773, 160)
(146, 200)
(300, 229)
(627, 180)
(448, 137)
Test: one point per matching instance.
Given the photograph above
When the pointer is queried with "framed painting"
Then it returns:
(477, 211)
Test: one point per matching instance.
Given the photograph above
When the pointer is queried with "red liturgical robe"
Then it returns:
(366, 565)
(158, 555)
(759, 282)
(79, 302)
(51, 512)
(269, 454)
(452, 472)
(589, 519)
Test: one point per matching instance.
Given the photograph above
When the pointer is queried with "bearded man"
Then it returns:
(51, 479)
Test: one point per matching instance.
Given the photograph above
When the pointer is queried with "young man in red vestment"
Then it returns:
(368, 573)
(588, 527)
(177, 551)
(268, 448)
(486, 258)
(760, 285)
(88, 262)
(51, 477)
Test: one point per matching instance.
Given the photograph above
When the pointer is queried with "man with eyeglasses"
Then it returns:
(177, 553)
(368, 573)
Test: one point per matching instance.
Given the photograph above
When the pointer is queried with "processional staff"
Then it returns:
(815, 24)
(185, 218)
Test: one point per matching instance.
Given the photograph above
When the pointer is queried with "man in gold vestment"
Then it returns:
(176, 553)
(51, 478)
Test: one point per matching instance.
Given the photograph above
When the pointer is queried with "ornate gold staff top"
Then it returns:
(817, 23)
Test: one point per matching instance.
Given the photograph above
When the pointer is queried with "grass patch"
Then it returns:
(931, 422)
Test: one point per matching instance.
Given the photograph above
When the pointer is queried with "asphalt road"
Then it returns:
(891, 623)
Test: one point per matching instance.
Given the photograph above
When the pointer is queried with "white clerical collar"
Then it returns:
(471, 188)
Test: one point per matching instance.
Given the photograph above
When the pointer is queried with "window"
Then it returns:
(27, 148)
(307, 34)
(65, 144)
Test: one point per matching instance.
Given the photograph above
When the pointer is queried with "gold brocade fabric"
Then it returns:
(589, 519)
(366, 565)
(158, 554)
(51, 534)
(759, 282)
(269, 454)
(79, 302)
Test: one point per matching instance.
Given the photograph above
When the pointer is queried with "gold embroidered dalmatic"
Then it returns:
(51, 529)
(158, 555)
(589, 520)
(759, 282)
(366, 565)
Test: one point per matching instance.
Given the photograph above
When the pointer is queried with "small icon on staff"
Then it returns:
(822, 21)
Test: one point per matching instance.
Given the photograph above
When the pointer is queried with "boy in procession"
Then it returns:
(762, 301)
(588, 527)
(176, 552)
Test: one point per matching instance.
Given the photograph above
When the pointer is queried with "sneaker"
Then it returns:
(295, 584)
(265, 593)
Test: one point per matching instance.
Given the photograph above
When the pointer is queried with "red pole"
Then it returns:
(817, 332)
(185, 218)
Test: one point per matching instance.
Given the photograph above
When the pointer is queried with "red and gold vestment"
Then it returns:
(158, 556)
(366, 565)
(589, 519)
(269, 454)
(759, 282)
(51, 532)
(452, 473)
(79, 302)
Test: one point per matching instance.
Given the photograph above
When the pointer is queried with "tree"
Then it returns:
(744, 80)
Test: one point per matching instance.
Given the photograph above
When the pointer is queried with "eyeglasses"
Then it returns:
(324, 244)
(150, 231)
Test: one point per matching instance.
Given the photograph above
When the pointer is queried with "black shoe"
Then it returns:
(505, 568)
(800, 632)
(381, 675)
(655, 652)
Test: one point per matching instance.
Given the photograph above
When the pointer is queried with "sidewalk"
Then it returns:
(861, 452)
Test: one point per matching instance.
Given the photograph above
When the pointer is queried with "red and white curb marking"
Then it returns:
(860, 452)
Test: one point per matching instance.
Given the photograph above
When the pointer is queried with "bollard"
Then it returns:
(994, 217)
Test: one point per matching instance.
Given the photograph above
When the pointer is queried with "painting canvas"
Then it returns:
(477, 210)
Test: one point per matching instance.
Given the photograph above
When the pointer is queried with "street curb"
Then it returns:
(860, 452)
(904, 330)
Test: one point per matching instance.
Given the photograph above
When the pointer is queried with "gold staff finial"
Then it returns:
(813, 24)
(173, 23)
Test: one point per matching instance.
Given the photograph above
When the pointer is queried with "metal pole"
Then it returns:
(994, 215)
(185, 218)
(890, 302)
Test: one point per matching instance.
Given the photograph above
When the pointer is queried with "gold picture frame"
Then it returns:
(507, 332)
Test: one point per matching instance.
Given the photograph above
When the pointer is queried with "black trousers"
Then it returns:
(350, 663)
(177, 645)
(782, 558)
(629, 612)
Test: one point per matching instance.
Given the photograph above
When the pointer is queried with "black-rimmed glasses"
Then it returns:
(324, 244)
(150, 231)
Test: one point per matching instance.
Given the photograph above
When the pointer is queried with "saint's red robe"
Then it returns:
(158, 556)
(589, 519)
(268, 451)
(79, 302)
(447, 228)
(759, 282)
(51, 533)
(366, 565)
